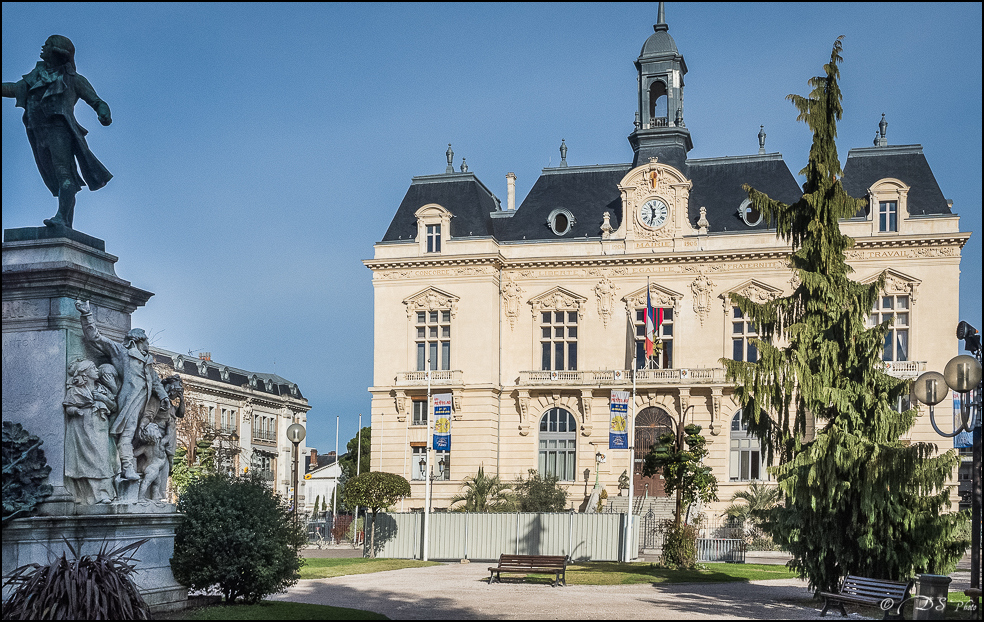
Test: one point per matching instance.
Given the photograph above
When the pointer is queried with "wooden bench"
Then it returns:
(556, 564)
(871, 592)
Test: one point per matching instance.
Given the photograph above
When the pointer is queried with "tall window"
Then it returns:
(418, 465)
(433, 238)
(742, 331)
(419, 412)
(558, 340)
(746, 453)
(442, 465)
(895, 308)
(661, 359)
(558, 435)
(888, 215)
(433, 339)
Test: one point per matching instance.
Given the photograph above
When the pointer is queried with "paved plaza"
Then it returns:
(460, 591)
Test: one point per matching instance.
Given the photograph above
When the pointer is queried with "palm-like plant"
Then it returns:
(758, 497)
(482, 493)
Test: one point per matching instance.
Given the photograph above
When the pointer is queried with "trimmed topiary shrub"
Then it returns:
(238, 538)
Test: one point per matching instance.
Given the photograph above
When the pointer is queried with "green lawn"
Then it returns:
(615, 573)
(327, 567)
(270, 610)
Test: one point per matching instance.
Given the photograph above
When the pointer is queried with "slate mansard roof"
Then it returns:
(271, 384)
(906, 163)
(587, 192)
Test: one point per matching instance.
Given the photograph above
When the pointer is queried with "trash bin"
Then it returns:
(931, 597)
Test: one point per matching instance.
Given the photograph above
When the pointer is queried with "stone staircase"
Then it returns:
(661, 507)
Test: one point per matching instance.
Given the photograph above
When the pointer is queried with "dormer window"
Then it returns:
(433, 238)
(433, 228)
(560, 221)
(888, 216)
(888, 206)
(749, 213)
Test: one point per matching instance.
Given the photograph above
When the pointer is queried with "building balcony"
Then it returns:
(904, 369)
(438, 377)
(622, 377)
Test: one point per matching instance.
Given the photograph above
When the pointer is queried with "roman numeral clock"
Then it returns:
(657, 195)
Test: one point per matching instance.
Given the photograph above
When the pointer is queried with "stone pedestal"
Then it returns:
(40, 539)
(45, 269)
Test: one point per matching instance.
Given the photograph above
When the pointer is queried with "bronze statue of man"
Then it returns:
(48, 96)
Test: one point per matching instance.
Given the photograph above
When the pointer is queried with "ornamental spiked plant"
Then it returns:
(857, 500)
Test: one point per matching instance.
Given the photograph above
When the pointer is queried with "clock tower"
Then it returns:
(659, 128)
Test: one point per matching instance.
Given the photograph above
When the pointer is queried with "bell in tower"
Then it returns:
(660, 131)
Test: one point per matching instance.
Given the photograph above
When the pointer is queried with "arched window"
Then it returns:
(657, 104)
(558, 435)
(746, 453)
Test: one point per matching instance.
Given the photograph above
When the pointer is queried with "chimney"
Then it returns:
(511, 192)
(205, 356)
(314, 458)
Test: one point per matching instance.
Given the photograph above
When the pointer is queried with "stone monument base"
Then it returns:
(41, 539)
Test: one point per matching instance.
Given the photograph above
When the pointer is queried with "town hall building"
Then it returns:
(530, 316)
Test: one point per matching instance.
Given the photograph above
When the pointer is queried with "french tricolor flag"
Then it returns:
(654, 319)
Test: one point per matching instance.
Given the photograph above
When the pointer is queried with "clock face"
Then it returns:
(653, 213)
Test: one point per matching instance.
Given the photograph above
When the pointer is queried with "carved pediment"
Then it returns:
(559, 299)
(896, 283)
(660, 297)
(431, 299)
(755, 290)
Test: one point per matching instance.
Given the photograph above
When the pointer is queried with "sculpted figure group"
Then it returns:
(121, 423)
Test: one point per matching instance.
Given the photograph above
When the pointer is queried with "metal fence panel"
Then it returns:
(720, 550)
(485, 536)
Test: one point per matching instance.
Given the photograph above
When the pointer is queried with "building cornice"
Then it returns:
(901, 244)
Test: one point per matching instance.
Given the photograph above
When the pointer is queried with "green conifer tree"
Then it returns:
(857, 500)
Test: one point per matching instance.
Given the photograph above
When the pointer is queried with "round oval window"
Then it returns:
(749, 213)
(561, 224)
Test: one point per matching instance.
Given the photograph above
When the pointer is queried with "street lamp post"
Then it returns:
(963, 375)
(295, 434)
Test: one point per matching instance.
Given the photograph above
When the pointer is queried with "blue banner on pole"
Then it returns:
(442, 422)
(618, 429)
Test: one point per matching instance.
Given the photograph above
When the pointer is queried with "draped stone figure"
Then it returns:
(89, 455)
(139, 383)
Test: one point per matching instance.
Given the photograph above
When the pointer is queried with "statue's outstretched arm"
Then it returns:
(88, 95)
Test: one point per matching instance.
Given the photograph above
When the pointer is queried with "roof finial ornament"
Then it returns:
(450, 154)
(882, 132)
(661, 19)
(761, 136)
(464, 166)
(563, 153)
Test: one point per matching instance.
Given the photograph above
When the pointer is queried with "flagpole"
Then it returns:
(427, 452)
(631, 439)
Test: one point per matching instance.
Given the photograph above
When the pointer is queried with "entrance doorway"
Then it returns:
(650, 424)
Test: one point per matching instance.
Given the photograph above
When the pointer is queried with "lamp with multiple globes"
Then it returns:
(963, 375)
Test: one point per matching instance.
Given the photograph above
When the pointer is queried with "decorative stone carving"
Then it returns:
(523, 398)
(757, 292)
(90, 458)
(431, 299)
(141, 397)
(658, 295)
(716, 427)
(558, 299)
(605, 292)
(701, 287)
(25, 472)
(606, 226)
(587, 425)
(512, 295)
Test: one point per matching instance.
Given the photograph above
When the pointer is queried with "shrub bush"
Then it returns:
(679, 546)
(90, 587)
(237, 537)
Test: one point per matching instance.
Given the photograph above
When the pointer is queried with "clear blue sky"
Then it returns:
(260, 150)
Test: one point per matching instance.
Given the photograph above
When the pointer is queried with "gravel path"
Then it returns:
(459, 591)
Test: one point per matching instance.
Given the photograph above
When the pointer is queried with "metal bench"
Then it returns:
(556, 564)
(871, 592)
